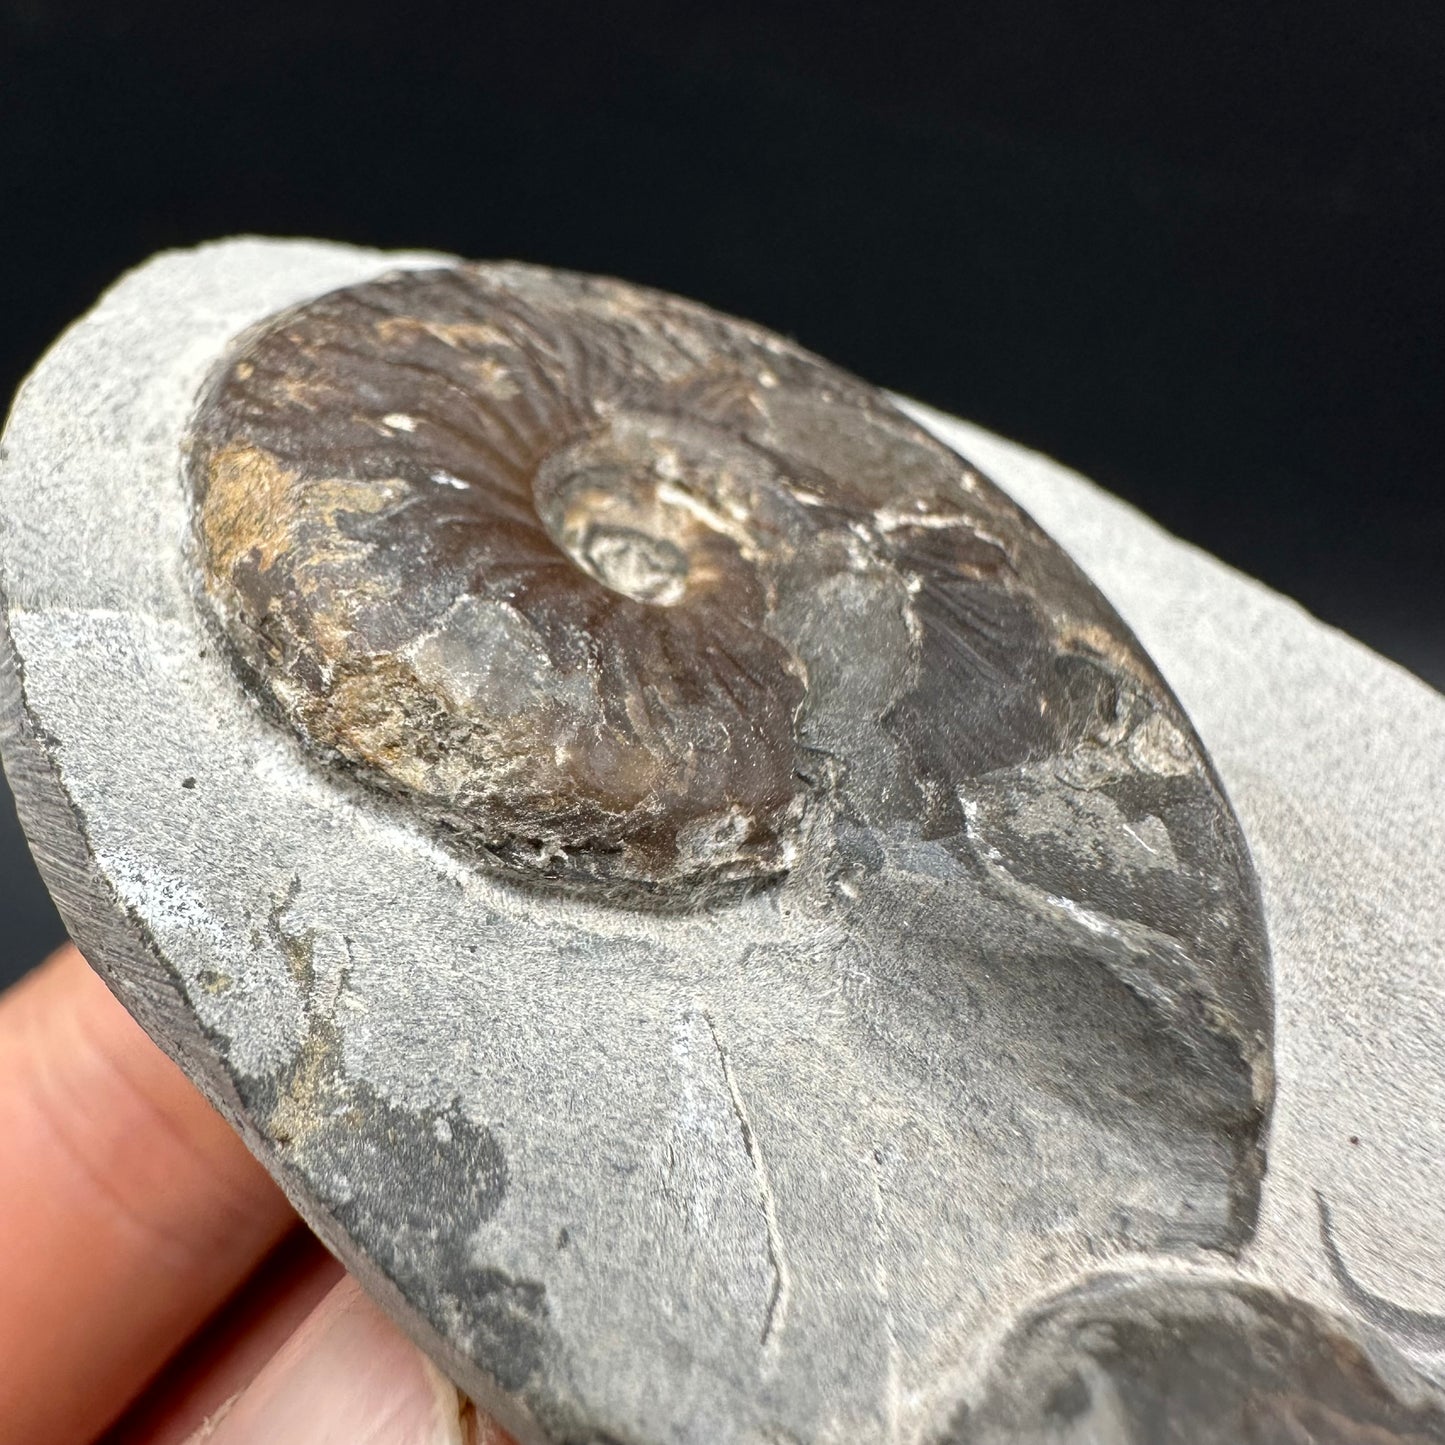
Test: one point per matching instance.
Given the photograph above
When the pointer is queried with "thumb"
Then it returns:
(347, 1376)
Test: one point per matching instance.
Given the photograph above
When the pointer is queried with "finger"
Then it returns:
(203, 1387)
(233, 1347)
(128, 1209)
(347, 1376)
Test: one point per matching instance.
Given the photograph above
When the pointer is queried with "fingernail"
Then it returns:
(347, 1376)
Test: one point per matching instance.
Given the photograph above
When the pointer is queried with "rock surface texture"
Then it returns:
(698, 899)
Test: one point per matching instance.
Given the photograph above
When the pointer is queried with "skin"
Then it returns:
(154, 1278)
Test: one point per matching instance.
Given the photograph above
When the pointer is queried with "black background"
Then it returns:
(1194, 250)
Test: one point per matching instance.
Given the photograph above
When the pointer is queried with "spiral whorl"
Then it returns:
(554, 558)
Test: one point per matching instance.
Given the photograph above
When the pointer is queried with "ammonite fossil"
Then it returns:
(567, 564)
(1207, 1360)
(699, 900)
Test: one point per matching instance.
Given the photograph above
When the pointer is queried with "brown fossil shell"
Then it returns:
(615, 589)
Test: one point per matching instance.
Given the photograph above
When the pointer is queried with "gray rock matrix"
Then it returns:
(765, 1171)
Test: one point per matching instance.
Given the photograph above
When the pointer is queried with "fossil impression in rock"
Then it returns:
(698, 899)
(1205, 1360)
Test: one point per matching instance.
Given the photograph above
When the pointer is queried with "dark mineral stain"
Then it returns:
(409, 1186)
(508, 1320)
(1128, 1361)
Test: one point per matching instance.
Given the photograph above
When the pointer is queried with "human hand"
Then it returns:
(155, 1286)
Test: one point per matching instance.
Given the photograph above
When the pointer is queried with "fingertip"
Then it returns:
(136, 1132)
(347, 1376)
(130, 1210)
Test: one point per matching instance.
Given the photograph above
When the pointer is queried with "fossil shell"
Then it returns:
(618, 591)
(1206, 1360)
